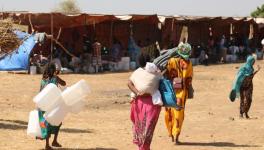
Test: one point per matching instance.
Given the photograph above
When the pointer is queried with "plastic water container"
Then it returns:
(57, 115)
(126, 65)
(33, 70)
(133, 65)
(125, 59)
(91, 69)
(234, 58)
(48, 98)
(120, 65)
(78, 107)
(229, 58)
(123, 65)
(197, 61)
(33, 128)
(259, 55)
(193, 61)
(76, 92)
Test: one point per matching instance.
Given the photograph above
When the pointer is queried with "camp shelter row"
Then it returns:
(164, 29)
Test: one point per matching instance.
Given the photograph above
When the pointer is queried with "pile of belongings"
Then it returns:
(57, 105)
(162, 61)
(9, 41)
(40, 37)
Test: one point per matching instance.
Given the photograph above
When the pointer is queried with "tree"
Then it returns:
(68, 7)
(259, 12)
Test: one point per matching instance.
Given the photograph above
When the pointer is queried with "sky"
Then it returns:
(161, 7)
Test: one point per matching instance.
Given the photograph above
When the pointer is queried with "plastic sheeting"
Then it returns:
(19, 59)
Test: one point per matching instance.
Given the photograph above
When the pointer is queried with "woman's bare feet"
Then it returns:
(172, 138)
(177, 142)
(56, 144)
(241, 116)
(247, 116)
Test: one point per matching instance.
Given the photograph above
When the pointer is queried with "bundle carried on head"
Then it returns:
(9, 41)
(183, 50)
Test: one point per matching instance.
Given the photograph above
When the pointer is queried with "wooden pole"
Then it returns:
(31, 25)
(59, 33)
(111, 33)
(63, 48)
(51, 42)
(59, 44)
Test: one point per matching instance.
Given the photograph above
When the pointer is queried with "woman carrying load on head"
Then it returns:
(182, 70)
(49, 76)
(144, 114)
(243, 86)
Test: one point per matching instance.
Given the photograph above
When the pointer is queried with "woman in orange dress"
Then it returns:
(179, 68)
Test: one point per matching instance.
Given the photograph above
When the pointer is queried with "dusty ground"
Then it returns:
(211, 123)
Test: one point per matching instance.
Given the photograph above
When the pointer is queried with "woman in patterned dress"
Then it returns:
(144, 114)
(243, 86)
(49, 76)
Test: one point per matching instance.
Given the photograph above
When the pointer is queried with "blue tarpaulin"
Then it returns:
(19, 59)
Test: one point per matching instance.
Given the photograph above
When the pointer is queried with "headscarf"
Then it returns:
(244, 71)
(184, 50)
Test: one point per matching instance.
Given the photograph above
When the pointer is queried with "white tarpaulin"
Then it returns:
(124, 17)
(162, 19)
(259, 20)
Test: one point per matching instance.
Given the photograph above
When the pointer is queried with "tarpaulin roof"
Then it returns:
(211, 19)
(259, 20)
(66, 21)
(62, 20)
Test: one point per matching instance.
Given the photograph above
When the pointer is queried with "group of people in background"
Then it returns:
(89, 61)
(96, 57)
(217, 50)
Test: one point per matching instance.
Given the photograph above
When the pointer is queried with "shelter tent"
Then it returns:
(164, 29)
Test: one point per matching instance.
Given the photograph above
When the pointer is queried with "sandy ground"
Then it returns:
(211, 122)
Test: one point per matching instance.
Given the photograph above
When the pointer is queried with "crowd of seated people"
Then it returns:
(224, 50)
(216, 50)
(90, 60)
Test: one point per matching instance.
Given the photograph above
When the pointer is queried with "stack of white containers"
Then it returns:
(124, 64)
(57, 104)
(229, 58)
(133, 65)
(234, 58)
(195, 61)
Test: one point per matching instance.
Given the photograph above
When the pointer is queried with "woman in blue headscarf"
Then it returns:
(243, 85)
